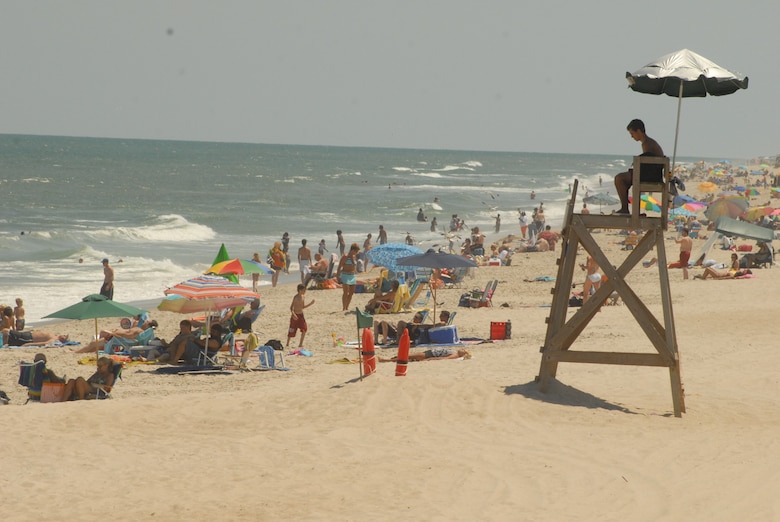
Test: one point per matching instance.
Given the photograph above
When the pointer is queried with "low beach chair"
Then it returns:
(31, 376)
(100, 391)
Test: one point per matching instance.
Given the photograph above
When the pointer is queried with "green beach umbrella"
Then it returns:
(95, 306)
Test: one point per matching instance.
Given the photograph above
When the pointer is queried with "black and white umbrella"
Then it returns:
(434, 259)
(685, 74)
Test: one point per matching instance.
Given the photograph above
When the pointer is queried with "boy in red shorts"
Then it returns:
(297, 322)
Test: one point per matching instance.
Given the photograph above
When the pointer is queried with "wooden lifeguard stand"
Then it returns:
(562, 333)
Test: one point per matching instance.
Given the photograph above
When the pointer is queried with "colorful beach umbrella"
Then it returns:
(754, 213)
(222, 255)
(752, 192)
(707, 186)
(206, 294)
(648, 202)
(732, 207)
(205, 286)
(181, 305)
(694, 206)
(239, 266)
(681, 211)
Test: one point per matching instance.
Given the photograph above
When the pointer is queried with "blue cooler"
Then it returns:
(444, 335)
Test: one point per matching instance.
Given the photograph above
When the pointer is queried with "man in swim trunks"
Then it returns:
(304, 260)
(650, 147)
(107, 289)
(297, 321)
(686, 245)
(33, 338)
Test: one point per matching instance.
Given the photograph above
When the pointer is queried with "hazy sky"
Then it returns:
(534, 76)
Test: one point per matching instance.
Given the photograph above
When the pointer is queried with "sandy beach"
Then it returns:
(453, 440)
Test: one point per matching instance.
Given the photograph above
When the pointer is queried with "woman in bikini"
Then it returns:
(346, 275)
(80, 388)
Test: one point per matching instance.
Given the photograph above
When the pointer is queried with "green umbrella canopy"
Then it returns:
(223, 255)
(94, 306)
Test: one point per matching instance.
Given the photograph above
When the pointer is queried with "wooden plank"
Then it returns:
(561, 333)
(621, 222)
(620, 358)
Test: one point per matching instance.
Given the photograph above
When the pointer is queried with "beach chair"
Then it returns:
(451, 319)
(457, 276)
(422, 273)
(267, 359)
(486, 297)
(208, 357)
(315, 280)
(31, 376)
(100, 391)
(120, 344)
(630, 242)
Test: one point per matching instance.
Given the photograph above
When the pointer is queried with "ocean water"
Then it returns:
(159, 210)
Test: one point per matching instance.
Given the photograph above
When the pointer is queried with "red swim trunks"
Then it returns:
(297, 324)
(683, 262)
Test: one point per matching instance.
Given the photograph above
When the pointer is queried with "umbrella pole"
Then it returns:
(433, 290)
(677, 128)
(97, 345)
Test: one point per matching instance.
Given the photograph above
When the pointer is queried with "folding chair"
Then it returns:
(100, 391)
(209, 357)
(31, 377)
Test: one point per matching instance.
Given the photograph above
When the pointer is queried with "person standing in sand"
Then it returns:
(278, 262)
(592, 278)
(346, 275)
(523, 224)
(107, 289)
(256, 277)
(19, 314)
(624, 180)
(304, 260)
(297, 321)
(382, 235)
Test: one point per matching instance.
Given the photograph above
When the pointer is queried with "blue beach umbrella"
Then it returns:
(681, 211)
(387, 254)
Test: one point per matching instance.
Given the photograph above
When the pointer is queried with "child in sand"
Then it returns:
(19, 314)
(297, 321)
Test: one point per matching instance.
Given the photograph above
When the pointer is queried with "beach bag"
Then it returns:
(52, 392)
(465, 300)
(575, 301)
(276, 344)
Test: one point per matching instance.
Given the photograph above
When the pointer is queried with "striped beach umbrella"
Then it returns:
(210, 286)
